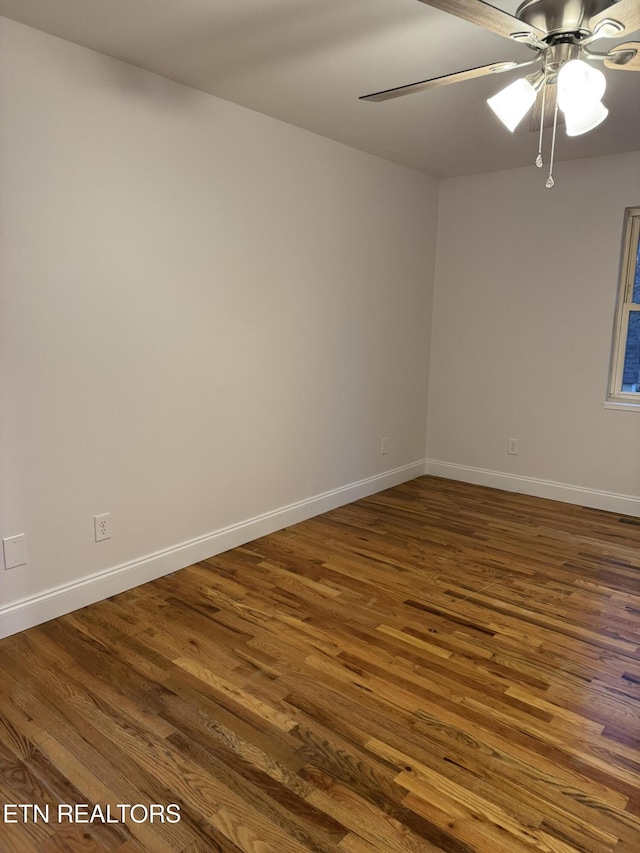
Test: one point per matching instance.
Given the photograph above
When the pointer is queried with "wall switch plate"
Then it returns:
(512, 446)
(384, 446)
(15, 551)
(102, 526)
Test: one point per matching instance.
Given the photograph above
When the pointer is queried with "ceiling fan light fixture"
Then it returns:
(513, 102)
(560, 32)
(586, 117)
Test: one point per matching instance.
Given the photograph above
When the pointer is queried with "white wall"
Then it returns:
(526, 283)
(206, 315)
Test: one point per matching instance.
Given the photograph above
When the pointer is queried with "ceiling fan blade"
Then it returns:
(458, 77)
(549, 109)
(487, 16)
(619, 58)
(626, 12)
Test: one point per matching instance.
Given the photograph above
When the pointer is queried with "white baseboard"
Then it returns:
(610, 501)
(23, 614)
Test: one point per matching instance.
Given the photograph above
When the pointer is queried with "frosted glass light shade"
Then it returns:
(580, 88)
(579, 83)
(513, 103)
(583, 118)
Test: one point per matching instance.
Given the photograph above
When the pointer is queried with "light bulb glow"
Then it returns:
(512, 103)
(580, 88)
(579, 83)
(579, 120)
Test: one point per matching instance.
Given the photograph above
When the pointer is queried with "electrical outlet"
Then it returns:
(384, 447)
(512, 446)
(102, 526)
(15, 551)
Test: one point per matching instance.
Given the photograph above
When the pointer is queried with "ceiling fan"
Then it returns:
(560, 33)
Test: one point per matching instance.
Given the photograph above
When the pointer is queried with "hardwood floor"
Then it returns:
(440, 667)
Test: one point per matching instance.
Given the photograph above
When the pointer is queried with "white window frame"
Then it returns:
(630, 238)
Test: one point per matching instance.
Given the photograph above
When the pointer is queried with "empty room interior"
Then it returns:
(319, 426)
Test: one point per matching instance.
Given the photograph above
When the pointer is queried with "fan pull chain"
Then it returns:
(550, 181)
(544, 97)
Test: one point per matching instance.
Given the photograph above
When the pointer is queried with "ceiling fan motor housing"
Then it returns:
(561, 17)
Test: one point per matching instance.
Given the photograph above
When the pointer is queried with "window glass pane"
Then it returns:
(636, 280)
(631, 371)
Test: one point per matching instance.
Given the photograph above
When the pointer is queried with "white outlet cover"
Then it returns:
(15, 551)
(102, 526)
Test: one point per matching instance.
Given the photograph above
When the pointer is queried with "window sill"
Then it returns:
(623, 407)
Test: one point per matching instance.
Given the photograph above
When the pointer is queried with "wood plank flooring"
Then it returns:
(439, 668)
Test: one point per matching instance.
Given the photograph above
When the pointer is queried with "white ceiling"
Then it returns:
(307, 61)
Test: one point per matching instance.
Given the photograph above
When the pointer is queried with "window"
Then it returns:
(624, 386)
